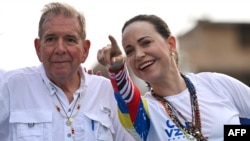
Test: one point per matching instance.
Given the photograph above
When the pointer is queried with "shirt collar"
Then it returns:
(53, 88)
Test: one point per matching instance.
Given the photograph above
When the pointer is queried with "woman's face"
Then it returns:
(148, 53)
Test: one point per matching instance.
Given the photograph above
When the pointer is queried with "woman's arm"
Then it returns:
(129, 102)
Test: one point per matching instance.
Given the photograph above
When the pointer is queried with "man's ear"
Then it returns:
(86, 47)
(37, 47)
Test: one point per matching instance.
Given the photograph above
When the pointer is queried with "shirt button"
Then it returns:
(31, 125)
(69, 135)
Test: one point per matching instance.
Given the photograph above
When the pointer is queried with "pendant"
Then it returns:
(69, 121)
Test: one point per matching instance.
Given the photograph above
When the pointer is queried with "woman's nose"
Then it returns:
(139, 54)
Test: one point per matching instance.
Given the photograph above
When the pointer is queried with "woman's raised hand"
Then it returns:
(111, 55)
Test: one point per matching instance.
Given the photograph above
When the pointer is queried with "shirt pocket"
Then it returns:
(31, 125)
(104, 129)
(102, 126)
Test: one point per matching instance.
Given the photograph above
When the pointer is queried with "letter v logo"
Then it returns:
(169, 133)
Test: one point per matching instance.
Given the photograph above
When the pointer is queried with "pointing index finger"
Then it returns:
(114, 44)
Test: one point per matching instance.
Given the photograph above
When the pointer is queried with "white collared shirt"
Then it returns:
(28, 109)
(1, 75)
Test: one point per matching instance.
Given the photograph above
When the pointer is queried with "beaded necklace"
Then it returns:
(70, 118)
(192, 128)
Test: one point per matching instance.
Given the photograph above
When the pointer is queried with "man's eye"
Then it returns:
(50, 39)
(71, 40)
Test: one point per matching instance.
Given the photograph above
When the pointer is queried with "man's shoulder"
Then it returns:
(25, 71)
(93, 77)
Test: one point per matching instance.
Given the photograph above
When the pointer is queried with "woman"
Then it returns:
(178, 107)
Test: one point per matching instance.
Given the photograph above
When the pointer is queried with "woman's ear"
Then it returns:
(172, 44)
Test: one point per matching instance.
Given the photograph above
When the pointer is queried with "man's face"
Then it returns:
(61, 48)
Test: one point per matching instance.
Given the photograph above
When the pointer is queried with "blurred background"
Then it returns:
(213, 35)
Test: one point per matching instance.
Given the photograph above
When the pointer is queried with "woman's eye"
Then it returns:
(144, 43)
(129, 51)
